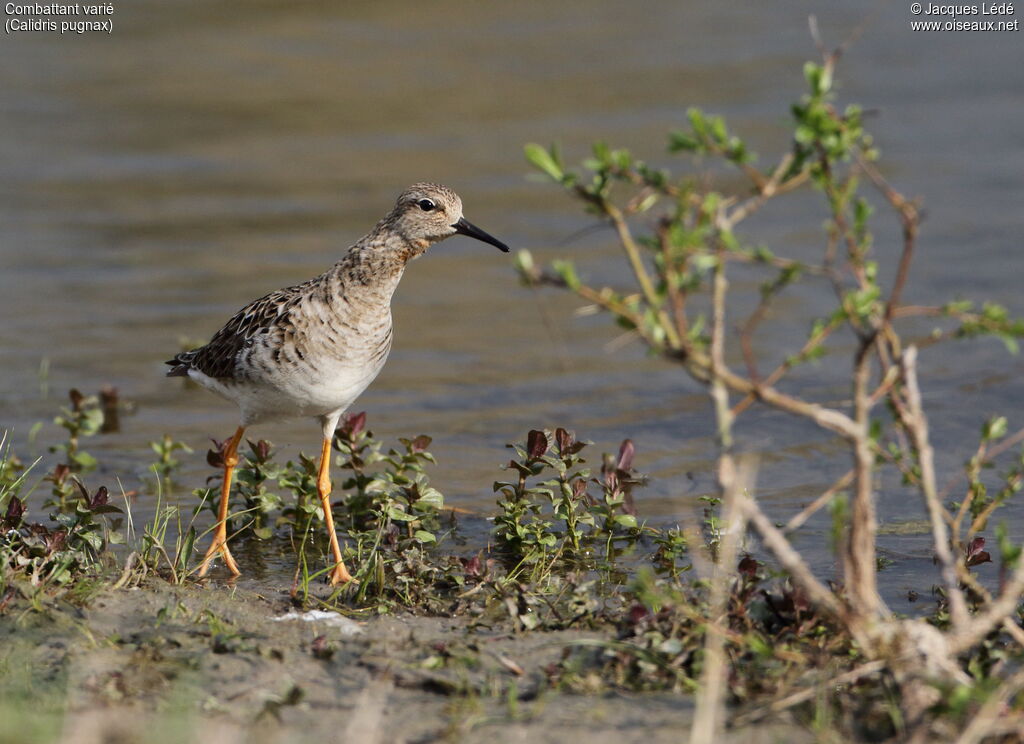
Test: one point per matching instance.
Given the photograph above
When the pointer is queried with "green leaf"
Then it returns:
(524, 263)
(423, 537)
(567, 271)
(995, 428)
(430, 497)
(543, 160)
(625, 520)
(84, 460)
(399, 516)
(682, 142)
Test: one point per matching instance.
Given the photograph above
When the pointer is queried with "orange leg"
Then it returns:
(339, 574)
(220, 532)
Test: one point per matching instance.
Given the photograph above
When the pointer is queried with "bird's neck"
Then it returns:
(372, 268)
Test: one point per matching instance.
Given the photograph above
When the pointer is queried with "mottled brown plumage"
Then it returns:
(311, 349)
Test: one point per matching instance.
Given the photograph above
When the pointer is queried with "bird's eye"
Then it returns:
(426, 205)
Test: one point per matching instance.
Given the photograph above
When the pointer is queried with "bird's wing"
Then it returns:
(218, 359)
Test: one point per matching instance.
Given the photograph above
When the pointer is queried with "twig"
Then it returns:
(639, 270)
(993, 452)
(910, 219)
(971, 583)
(129, 570)
(777, 374)
(719, 393)
(807, 693)
(995, 614)
(917, 424)
(676, 298)
(991, 718)
(798, 520)
(791, 561)
(710, 712)
(774, 186)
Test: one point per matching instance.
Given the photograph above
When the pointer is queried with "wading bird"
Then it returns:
(312, 349)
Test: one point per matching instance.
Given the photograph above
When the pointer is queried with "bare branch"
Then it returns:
(910, 219)
(993, 719)
(640, 271)
(719, 393)
(859, 555)
(995, 614)
(798, 520)
(917, 425)
(710, 713)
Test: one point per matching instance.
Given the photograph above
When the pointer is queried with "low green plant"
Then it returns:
(390, 515)
(555, 505)
(73, 546)
(82, 418)
(254, 504)
(13, 472)
(166, 463)
(168, 541)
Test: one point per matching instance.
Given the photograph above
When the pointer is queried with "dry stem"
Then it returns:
(917, 424)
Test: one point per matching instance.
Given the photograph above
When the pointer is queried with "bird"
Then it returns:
(310, 350)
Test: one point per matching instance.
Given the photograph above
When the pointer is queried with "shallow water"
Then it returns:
(155, 180)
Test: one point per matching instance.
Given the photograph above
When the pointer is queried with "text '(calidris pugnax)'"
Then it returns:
(312, 349)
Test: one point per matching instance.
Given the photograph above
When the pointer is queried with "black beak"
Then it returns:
(465, 227)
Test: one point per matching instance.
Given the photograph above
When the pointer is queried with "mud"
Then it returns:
(161, 663)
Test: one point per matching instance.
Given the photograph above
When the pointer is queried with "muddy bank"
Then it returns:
(161, 663)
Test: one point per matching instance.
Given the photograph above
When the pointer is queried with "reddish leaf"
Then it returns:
(109, 401)
(100, 498)
(60, 474)
(748, 567)
(800, 601)
(564, 439)
(637, 613)
(352, 424)
(15, 511)
(260, 450)
(76, 399)
(976, 555)
(611, 480)
(474, 567)
(626, 452)
(215, 456)
(536, 444)
(628, 505)
(420, 443)
(55, 540)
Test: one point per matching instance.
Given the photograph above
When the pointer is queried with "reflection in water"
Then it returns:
(156, 179)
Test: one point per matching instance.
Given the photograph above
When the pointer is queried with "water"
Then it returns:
(155, 180)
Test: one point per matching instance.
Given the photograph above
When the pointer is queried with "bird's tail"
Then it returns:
(181, 364)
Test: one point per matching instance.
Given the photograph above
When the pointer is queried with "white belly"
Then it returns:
(332, 387)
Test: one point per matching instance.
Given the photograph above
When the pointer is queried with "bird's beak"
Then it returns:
(465, 227)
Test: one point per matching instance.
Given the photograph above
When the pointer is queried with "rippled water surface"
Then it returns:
(155, 180)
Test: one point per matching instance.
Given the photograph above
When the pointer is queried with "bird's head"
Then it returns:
(426, 213)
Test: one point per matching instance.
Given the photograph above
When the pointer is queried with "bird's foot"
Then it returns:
(219, 546)
(340, 575)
